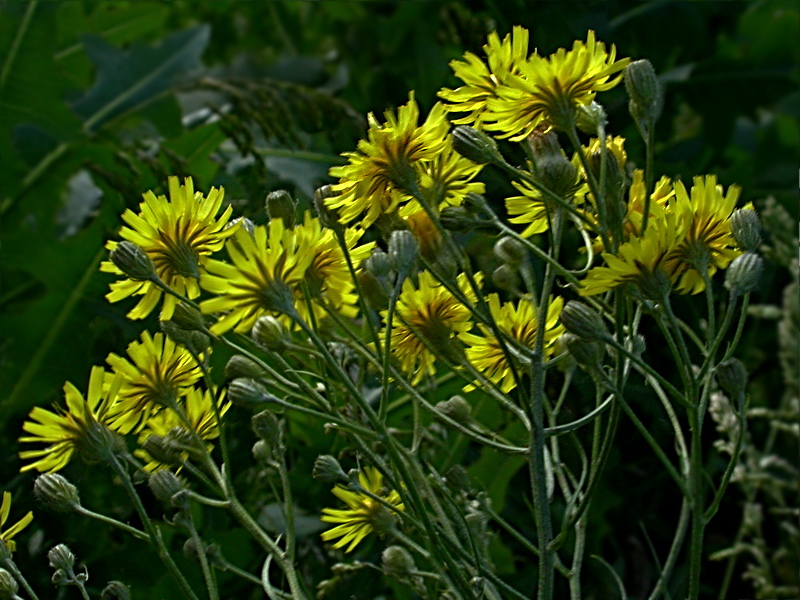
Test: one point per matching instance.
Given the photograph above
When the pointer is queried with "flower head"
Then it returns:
(385, 165)
(6, 535)
(547, 90)
(428, 317)
(363, 514)
(85, 425)
(481, 80)
(518, 321)
(156, 373)
(177, 235)
(258, 281)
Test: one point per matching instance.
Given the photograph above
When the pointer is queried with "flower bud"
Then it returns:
(56, 492)
(506, 278)
(475, 145)
(8, 585)
(373, 292)
(644, 90)
(327, 217)
(397, 562)
(61, 557)
(187, 317)
(582, 321)
(246, 392)
(746, 229)
(328, 470)
(458, 219)
(456, 408)
(378, 264)
(590, 117)
(744, 274)
(164, 450)
(474, 202)
(587, 353)
(403, 250)
(280, 205)
(732, 378)
(512, 252)
(269, 333)
(194, 341)
(133, 261)
(116, 590)
(457, 478)
(241, 366)
(269, 428)
(558, 175)
(167, 487)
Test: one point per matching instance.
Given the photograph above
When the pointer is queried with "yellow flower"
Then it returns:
(198, 407)
(83, 426)
(385, 165)
(178, 235)
(425, 231)
(258, 281)
(530, 208)
(9, 533)
(158, 373)
(481, 80)
(518, 321)
(708, 243)
(547, 90)
(363, 514)
(328, 277)
(428, 315)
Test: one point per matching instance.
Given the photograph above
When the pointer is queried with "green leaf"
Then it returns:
(195, 147)
(127, 80)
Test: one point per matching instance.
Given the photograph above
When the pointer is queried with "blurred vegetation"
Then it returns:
(102, 101)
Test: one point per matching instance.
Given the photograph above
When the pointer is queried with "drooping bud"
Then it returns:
(378, 264)
(403, 250)
(280, 205)
(245, 392)
(163, 449)
(590, 117)
(56, 492)
(269, 428)
(269, 333)
(645, 92)
(732, 378)
(746, 229)
(187, 317)
(474, 202)
(8, 585)
(744, 273)
(61, 557)
(116, 590)
(167, 487)
(327, 216)
(587, 353)
(457, 219)
(239, 365)
(476, 145)
(580, 320)
(328, 470)
(133, 261)
(397, 562)
(506, 278)
(195, 341)
(456, 408)
(512, 252)
(553, 170)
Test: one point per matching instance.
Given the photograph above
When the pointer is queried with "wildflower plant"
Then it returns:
(351, 318)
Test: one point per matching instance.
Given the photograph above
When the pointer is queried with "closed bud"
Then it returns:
(269, 428)
(378, 264)
(116, 590)
(373, 291)
(187, 317)
(328, 470)
(746, 229)
(506, 278)
(397, 562)
(262, 453)
(133, 261)
(474, 202)
(656, 286)
(475, 145)
(8, 585)
(582, 321)
(280, 205)
(167, 487)
(456, 408)
(239, 366)
(512, 252)
(458, 219)
(744, 274)
(193, 341)
(590, 118)
(56, 492)
(458, 478)
(644, 90)
(246, 392)
(558, 175)
(403, 250)
(587, 353)
(327, 216)
(61, 557)
(163, 449)
(732, 378)
(269, 333)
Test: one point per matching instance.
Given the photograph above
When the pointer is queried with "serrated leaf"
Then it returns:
(127, 80)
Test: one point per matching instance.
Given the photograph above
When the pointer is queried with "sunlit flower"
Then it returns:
(428, 315)
(481, 79)
(178, 235)
(518, 321)
(198, 407)
(265, 267)
(363, 514)
(157, 372)
(547, 90)
(385, 165)
(84, 426)
(708, 243)
(529, 209)
(7, 535)
(327, 277)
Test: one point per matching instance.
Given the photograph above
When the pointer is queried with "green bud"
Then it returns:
(280, 205)
(506, 278)
(56, 492)
(458, 219)
(645, 92)
(133, 261)
(187, 317)
(378, 264)
(269, 428)
(744, 274)
(8, 585)
(245, 392)
(194, 341)
(474, 203)
(732, 378)
(269, 333)
(239, 365)
(587, 353)
(581, 320)
(457, 478)
(163, 449)
(328, 470)
(456, 408)
(558, 175)
(746, 229)
(476, 145)
(397, 562)
(327, 217)
(116, 590)
(61, 557)
(590, 118)
(373, 291)
(656, 286)
(262, 453)
(168, 487)
(511, 251)
(403, 250)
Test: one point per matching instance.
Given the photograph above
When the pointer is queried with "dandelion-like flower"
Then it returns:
(363, 514)
(259, 280)
(178, 235)
(547, 89)
(708, 243)
(427, 318)
(7, 534)
(84, 426)
(198, 407)
(481, 80)
(156, 373)
(517, 321)
(385, 165)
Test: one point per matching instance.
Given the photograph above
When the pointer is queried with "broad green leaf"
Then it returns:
(195, 147)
